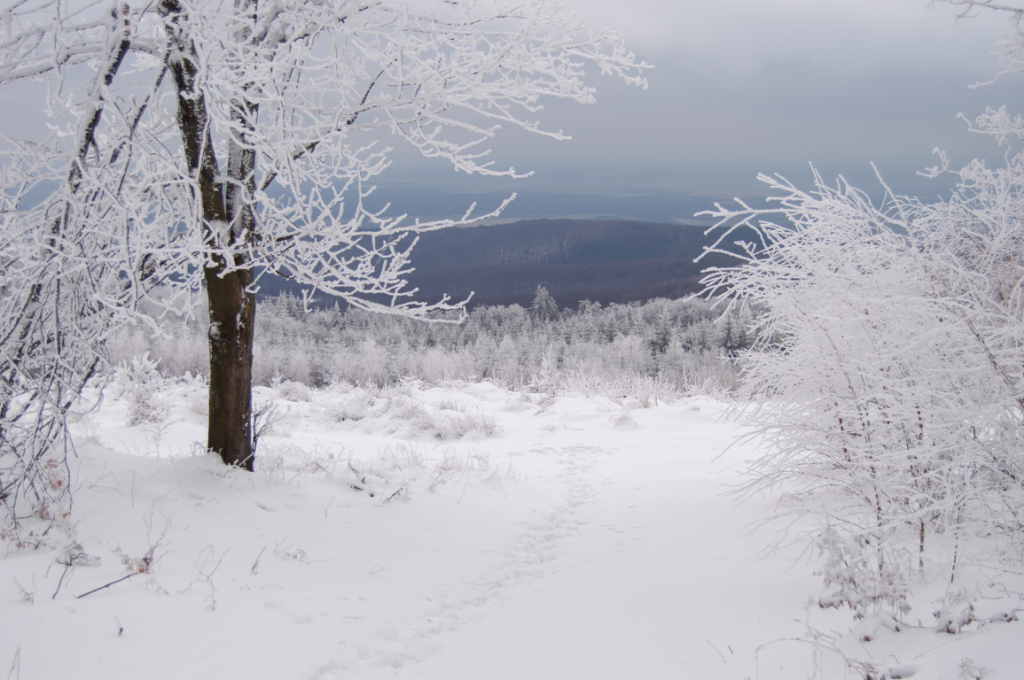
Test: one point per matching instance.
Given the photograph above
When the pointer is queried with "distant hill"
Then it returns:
(651, 206)
(603, 261)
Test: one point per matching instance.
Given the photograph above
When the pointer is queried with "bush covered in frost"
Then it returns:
(886, 378)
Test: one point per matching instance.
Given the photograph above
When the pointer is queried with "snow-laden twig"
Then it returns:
(198, 146)
(886, 376)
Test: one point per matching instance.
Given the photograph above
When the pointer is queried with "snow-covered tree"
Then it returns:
(544, 307)
(197, 145)
(887, 371)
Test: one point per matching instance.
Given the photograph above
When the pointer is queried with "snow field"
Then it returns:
(462, 531)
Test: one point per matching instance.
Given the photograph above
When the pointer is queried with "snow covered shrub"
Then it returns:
(450, 426)
(584, 379)
(886, 373)
(863, 572)
(956, 611)
(395, 472)
(402, 458)
(356, 405)
(270, 462)
(546, 378)
(410, 410)
(320, 461)
(140, 381)
(443, 423)
(292, 391)
(339, 412)
(275, 460)
(143, 564)
(449, 405)
(462, 467)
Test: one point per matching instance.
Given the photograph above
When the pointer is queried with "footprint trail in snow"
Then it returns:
(526, 560)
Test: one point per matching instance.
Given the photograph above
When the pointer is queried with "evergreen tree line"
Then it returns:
(674, 345)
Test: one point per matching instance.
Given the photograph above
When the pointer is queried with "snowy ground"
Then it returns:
(455, 532)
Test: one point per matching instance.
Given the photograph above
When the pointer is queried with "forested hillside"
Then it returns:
(671, 346)
(602, 261)
(575, 260)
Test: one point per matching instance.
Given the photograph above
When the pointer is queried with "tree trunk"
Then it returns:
(232, 316)
(232, 305)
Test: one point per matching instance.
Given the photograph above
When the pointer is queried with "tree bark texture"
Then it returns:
(232, 310)
(224, 223)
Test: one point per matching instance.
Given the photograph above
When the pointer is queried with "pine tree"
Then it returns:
(544, 307)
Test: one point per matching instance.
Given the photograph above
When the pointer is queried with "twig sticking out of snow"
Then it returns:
(112, 583)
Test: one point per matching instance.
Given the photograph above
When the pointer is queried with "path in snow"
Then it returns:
(642, 568)
(584, 541)
(661, 582)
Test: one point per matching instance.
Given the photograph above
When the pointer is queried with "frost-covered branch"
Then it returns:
(887, 375)
(1011, 46)
(197, 145)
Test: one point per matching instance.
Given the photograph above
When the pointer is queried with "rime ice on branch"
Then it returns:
(198, 145)
(886, 374)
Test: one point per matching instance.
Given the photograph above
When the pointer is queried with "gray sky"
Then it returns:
(747, 86)
(742, 86)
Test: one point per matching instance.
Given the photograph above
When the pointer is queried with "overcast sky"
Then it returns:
(741, 86)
